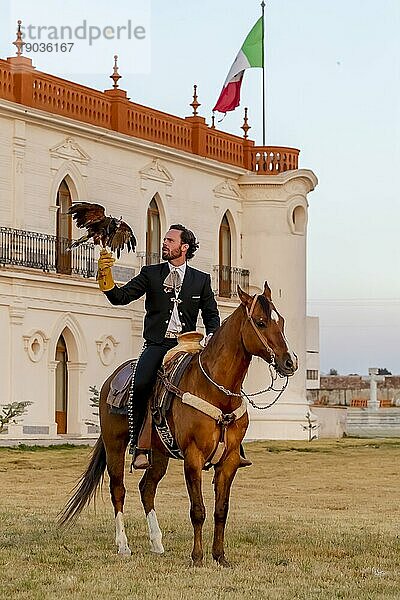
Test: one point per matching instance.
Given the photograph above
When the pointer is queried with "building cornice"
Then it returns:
(305, 176)
(115, 139)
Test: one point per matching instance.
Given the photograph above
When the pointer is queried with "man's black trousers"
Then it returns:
(149, 362)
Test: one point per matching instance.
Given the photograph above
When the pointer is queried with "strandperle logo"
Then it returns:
(85, 31)
(77, 37)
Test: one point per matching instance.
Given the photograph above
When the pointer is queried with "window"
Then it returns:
(63, 234)
(153, 234)
(299, 219)
(225, 244)
(312, 374)
(61, 385)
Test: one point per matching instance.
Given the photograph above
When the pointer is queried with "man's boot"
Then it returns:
(140, 461)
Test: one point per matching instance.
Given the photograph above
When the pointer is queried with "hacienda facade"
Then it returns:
(62, 142)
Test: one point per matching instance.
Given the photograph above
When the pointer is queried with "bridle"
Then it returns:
(260, 337)
(272, 369)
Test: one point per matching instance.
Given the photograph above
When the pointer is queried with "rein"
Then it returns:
(249, 396)
(271, 367)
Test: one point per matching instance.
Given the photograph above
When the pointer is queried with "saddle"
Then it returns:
(118, 395)
(166, 388)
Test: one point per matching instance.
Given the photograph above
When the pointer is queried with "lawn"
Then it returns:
(308, 520)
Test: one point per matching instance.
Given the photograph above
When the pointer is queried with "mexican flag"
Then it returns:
(250, 55)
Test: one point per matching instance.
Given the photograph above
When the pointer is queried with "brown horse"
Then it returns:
(255, 328)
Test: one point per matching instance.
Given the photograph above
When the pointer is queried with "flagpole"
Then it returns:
(263, 73)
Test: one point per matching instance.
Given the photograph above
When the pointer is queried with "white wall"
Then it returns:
(124, 174)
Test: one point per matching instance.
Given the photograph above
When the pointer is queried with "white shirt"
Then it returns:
(175, 325)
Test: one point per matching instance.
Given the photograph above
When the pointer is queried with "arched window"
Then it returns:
(153, 234)
(225, 261)
(61, 385)
(63, 234)
(299, 219)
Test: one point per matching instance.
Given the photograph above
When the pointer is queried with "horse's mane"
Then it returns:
(265, 303)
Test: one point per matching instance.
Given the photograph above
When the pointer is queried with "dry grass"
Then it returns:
(317, 520)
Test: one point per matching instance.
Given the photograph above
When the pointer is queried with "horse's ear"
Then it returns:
(267, 290)
(244, 298)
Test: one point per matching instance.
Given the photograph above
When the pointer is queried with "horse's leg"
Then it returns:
(148, 488)
(224, 475)
(194, 463)
(115, 451)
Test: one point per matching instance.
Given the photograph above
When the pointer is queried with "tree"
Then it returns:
(94, 403)
(10, 412)
(384, 372)
(333, 372)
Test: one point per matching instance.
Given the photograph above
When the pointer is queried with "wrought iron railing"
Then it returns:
(226, 280)
(148, 258)
(152, 258)
(48, 253)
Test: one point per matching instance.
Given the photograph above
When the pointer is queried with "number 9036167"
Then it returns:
(48, 46)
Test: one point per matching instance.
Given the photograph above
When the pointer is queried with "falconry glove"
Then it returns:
(104, 274)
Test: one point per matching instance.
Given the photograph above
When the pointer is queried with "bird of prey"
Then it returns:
(106, 231)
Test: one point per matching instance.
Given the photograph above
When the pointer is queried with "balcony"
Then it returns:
(20, 82)
(226, 280)
(148, 258)
(46, 253)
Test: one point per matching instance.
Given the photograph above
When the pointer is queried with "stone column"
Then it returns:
(51, 398)
(374, 378)
(274, 249)
(77, 397)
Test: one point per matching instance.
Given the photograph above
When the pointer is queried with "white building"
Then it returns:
(61, 142)
(313, 373)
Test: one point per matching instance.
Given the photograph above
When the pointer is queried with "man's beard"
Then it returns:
(171, 254)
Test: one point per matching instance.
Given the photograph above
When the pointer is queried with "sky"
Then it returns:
(332, 90)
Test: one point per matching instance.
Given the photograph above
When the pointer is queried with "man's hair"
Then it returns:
(187, 237)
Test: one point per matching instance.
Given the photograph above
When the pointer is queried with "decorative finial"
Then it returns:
(195, 104)
(115, 76)
(213, 121)
(245, 125)
(19, 42)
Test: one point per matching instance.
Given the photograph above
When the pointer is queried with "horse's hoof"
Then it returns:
(124, 551)
(156, 546)
(222, 561)
(198, 562)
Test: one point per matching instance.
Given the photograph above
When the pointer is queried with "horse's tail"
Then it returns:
(86, 487)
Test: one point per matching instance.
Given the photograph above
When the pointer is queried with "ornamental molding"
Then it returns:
(228, 189)
(35, 344)
(17, 311)
(106, 349)
(156, 171)
(69, 149)
(270, 194)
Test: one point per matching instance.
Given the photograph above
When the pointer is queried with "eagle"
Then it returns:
(107, 231)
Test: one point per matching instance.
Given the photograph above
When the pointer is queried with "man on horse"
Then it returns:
(175, 294)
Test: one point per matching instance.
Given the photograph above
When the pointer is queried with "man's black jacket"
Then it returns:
(196, 295)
